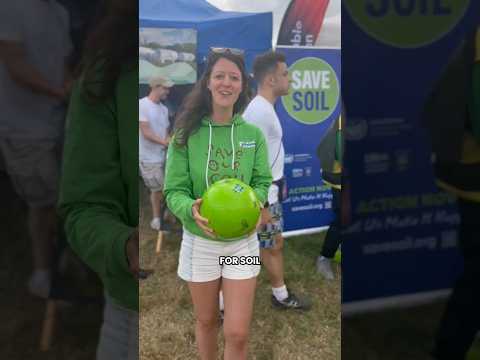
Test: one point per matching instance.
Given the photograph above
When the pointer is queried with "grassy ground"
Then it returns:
(167, 323)
(76, 333)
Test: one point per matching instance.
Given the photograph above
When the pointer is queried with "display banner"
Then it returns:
(306, 113)
(401, 240)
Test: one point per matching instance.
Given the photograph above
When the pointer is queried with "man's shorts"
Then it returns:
(153, 175)
(267, 233)
(34, 169)
(200, 258)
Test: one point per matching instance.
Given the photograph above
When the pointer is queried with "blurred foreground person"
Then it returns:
(452, 114)
(99, 185)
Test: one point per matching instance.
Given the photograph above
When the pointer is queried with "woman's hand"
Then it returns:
(200, 220)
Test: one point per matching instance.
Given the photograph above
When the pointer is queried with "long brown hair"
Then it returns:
(198, 103)
(110, 49)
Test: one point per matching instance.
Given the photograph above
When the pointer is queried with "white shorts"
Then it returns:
(34, 169)
(200, 258)
(153, 175)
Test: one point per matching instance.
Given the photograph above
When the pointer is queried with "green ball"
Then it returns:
(231, 207)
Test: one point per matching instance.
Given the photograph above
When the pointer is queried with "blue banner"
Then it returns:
(306, 113)
(401, 237)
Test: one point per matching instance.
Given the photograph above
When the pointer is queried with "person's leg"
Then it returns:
(220, 299)
(153, 175)
(205, 305)
(461, 319)
(332, 240)
(271, 247)
(271, 253)
(33, 167)
(156, 199)
(272, 259)
(42, 222)
(238, 296)
(329, 248)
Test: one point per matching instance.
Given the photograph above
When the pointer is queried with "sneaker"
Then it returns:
(155, 224)
(39, 283)
(324, 267)
(291, 302)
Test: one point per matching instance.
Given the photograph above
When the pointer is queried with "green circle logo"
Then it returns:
(314, 92)
(406, 23)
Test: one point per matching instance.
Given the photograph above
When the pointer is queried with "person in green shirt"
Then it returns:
(213, 142)
(99, 184)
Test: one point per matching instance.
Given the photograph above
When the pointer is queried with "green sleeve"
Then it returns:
(93, 199)
(178, 188)
(262, 174)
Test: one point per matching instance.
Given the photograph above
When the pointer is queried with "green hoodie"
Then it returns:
(237, 150)
(99, 185)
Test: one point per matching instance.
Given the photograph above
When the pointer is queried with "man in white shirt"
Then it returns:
(153, 141)
(34, 49)
(271, 73)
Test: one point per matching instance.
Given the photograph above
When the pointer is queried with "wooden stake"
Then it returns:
(48, 325)
(159, 242)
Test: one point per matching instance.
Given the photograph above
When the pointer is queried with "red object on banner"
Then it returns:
(302, 22)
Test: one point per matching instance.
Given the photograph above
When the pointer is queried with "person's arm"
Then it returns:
(93, 199)
(178, 184)
(262, 174)
(14, 57)
(149, 134)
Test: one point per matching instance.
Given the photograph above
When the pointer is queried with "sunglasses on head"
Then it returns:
(226, 50)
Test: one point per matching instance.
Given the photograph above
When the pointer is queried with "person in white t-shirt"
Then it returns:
(35, 46)
(271, 73)
(153, 141)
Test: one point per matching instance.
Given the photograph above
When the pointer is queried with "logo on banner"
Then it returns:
(314, 91)
(407, 23)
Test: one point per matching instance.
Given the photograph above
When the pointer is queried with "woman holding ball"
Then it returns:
(213, 142)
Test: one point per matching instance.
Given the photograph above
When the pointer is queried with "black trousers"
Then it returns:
(461, 319)
(333, 238)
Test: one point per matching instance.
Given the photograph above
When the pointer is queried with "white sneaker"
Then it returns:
(155, 224)
(39, 283)
(324, 267)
